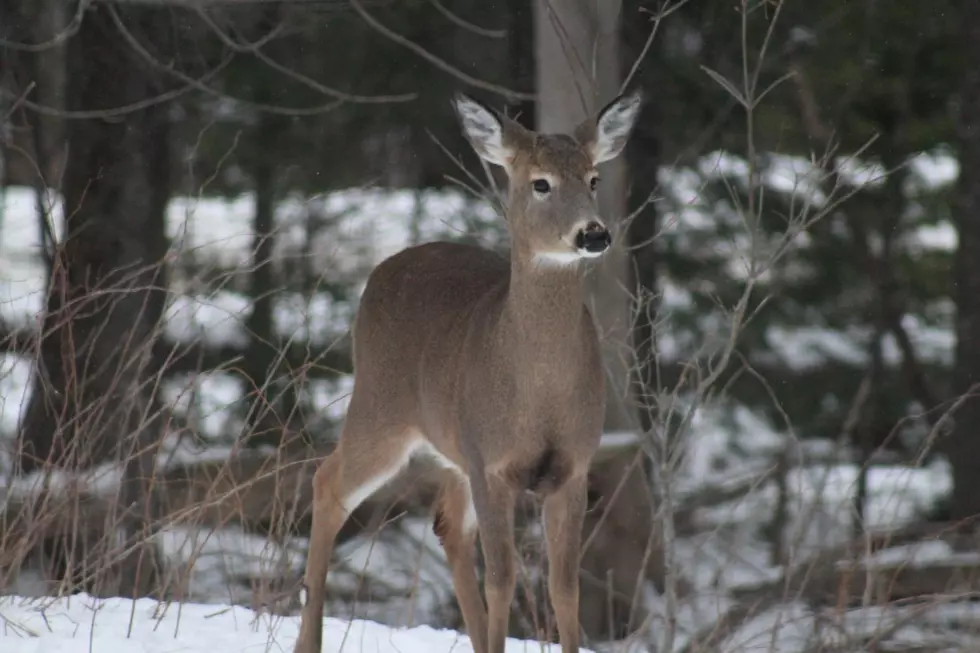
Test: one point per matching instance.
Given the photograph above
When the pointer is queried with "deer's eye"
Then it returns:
(594, 183)
(541, 186)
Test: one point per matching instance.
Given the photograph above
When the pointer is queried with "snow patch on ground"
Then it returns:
(83, 624)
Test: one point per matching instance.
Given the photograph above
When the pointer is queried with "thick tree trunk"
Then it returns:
(963, 445)
(643, 162)
(578, 72)
(92, 392)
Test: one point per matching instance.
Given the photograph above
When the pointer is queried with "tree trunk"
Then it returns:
(259, 365)
(35, 21)
(266, 384)
(520, 57)
(91, 396)
(963, 445)
(643, 162)
(578, 72)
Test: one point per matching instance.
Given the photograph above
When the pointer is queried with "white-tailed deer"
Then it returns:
(491, 367)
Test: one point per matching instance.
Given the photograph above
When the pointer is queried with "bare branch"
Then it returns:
(69, 30)
(194, 83)
(255, 49)
(470, 27)
(116, 112)
(436, 61)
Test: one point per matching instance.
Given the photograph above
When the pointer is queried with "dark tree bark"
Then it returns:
(92, 394)
(265, 385)
(260, 362)
(963, 445)
(643, 159)
(35, 145)
(520, 57)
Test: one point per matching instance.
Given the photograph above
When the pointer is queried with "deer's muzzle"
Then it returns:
(593, 239)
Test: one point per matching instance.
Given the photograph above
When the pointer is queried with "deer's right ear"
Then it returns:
(484, 130)
(606, 136)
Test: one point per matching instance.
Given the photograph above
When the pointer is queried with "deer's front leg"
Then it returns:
(564, 513)
(494, 503)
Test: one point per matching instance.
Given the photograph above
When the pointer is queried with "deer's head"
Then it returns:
(553, 209)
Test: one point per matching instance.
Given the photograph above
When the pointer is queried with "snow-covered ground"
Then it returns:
(83, 624)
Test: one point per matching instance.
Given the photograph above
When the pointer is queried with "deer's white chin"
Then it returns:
(563, 259)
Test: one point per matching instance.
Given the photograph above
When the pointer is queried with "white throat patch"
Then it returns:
(563, 259)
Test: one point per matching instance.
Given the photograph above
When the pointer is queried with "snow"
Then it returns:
(897, 494)
(331, 397)
(208, 398)
(102, 480)
(941, 237)
(225, 552)
(808, 347)
(15, 379)
(84, 624)
(406, 566)
(820, 499)
(794, 627)
(365, 226)
(784, 630)
(720, 437)
(220, 229)
(932, 170)
(858, 173)
(920, 554)
(217, 319)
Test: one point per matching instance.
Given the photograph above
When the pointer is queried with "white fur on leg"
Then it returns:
(361, 493)
(469, 517)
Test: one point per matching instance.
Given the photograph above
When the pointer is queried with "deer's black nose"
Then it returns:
(594, 238)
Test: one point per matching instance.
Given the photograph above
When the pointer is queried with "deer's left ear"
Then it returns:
(495, 138)
(605, 136)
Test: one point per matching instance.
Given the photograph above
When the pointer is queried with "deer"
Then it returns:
(489, 366)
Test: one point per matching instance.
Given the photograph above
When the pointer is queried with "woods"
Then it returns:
(193, 194)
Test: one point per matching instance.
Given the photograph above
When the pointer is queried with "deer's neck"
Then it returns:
(544, 304)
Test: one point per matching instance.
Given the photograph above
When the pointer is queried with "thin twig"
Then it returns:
(436, 61)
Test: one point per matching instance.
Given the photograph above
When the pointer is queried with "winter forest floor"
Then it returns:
(726, 490)
(83, 624)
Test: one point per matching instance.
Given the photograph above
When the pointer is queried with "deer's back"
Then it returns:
(413, 314)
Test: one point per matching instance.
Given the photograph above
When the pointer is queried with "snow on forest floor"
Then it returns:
(83, 624)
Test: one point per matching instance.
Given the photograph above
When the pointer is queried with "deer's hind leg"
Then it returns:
(456, 527)
(368, 456)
